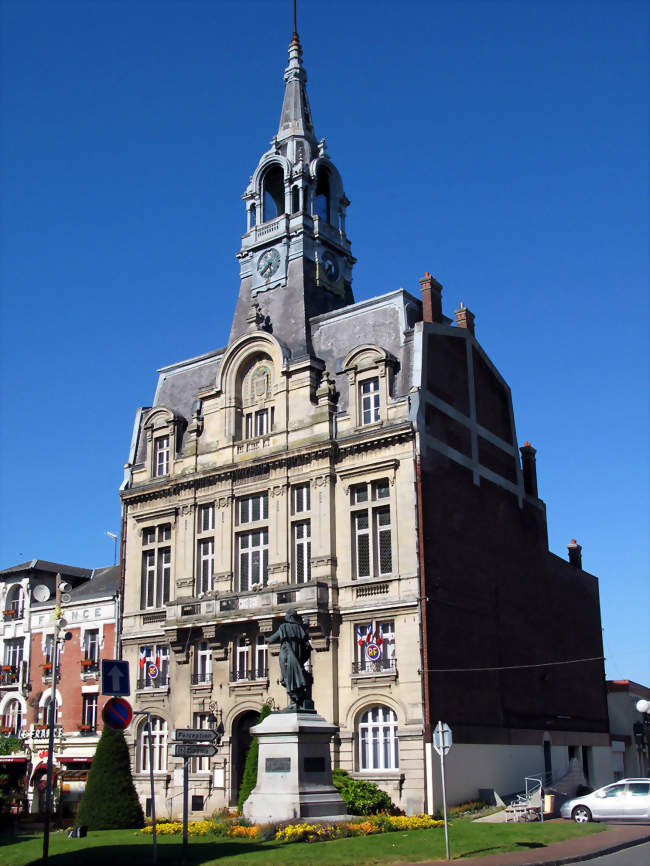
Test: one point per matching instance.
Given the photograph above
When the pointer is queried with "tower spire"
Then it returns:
(295, 119)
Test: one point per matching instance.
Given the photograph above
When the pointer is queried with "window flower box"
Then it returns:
(88, 663)
(47, 666)
(5, 730)
(41, 727)
(6, 668)
(10, 612)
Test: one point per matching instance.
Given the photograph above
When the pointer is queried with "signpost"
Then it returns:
(117, 714)
(115, 677)
(442, 742)
(193, 743)
(195, 735)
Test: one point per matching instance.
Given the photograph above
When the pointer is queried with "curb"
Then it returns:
(579, 858)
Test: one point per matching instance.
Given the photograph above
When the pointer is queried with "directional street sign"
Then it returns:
(193, 750)
(115, 677)
(117, 714)
(194, 735)
(442, 739)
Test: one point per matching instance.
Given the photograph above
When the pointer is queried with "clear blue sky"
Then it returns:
(500, 145)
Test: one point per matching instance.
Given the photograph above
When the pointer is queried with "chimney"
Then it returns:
(465, 318)
(529, 468)
(575, 553)
(431, 298)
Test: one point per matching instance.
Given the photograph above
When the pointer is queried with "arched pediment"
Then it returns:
(367, 356)
(158, 417)
(244, 352)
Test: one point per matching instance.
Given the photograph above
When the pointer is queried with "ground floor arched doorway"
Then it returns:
(239, 742)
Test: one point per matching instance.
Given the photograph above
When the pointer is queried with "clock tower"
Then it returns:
(295, 259)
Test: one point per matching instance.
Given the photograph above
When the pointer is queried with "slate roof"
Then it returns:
(51, 567)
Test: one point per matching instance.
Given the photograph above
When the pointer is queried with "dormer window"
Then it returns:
(161, 456)
(369, 401)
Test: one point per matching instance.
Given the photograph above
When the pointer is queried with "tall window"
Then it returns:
(89, 712)
(14, 603)
(375, 646)
(48, 708)
(202, 721)
(241, 661)
(158, 655)
(300, 498)
(206, 565)
(91, 646)
(302, 551)
(259, 423)
(202, 664)
(252, 546)
(378, 743)
(14, 653)
(13, 718)
(206, 518)
(156, 566)
(261, 658)
(369, 401)
(372, 546)
(159, 751)
(161, 456)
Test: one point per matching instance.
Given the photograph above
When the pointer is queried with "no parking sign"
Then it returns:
(117, 714)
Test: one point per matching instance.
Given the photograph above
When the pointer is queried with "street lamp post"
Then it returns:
(62, 589)
(642, 735)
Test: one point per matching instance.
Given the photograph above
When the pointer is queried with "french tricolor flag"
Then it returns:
(143, 656)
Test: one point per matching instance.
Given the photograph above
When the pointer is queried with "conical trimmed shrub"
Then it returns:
(110, 801)
(249, 779)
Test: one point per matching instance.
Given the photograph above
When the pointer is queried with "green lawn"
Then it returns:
(122, 847)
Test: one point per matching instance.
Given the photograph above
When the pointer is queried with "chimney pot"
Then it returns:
(575, 553)
(431, 298)
(464, 318)
(529, 469)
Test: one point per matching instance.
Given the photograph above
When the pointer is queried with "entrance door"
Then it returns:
(241, 740)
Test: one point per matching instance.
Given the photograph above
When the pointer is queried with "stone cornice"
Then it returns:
(333, 450)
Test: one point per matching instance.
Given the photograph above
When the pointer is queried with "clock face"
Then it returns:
(330, 266)
(268, 263)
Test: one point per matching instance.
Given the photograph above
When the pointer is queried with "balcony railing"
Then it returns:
(381, 666)
(161, 681)
(242, 674)
(201, 679)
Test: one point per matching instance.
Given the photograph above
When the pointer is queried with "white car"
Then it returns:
(626, 800)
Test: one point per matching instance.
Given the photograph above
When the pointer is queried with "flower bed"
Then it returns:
(299, 832)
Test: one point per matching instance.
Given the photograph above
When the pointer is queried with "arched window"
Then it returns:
(159, 743)
(13, 718)
(295, 200)
(273, 193)
(322, 199)
(378, 744)
(15, 603)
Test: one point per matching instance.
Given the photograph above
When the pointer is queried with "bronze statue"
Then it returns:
(295, 651)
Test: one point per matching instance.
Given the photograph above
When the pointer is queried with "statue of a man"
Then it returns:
(295, 651)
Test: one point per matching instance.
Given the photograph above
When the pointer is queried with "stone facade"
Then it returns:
(357, 462)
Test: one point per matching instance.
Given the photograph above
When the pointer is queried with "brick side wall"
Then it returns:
(497, 597)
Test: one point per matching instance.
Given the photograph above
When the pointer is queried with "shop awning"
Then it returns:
(15, 758)
(87, 760)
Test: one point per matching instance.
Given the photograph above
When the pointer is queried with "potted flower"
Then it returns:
(86, 663)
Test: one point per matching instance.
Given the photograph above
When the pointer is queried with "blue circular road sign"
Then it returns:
(117, 714)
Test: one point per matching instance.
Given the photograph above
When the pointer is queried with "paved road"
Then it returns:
(638, 855)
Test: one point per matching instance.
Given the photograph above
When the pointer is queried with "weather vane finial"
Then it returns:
(295, 25)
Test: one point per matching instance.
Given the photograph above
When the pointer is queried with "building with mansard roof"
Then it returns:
(358, 462)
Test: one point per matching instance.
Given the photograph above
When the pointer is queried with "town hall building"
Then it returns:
(357, 462)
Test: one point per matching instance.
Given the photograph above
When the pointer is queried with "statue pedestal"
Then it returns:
(294, 770)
